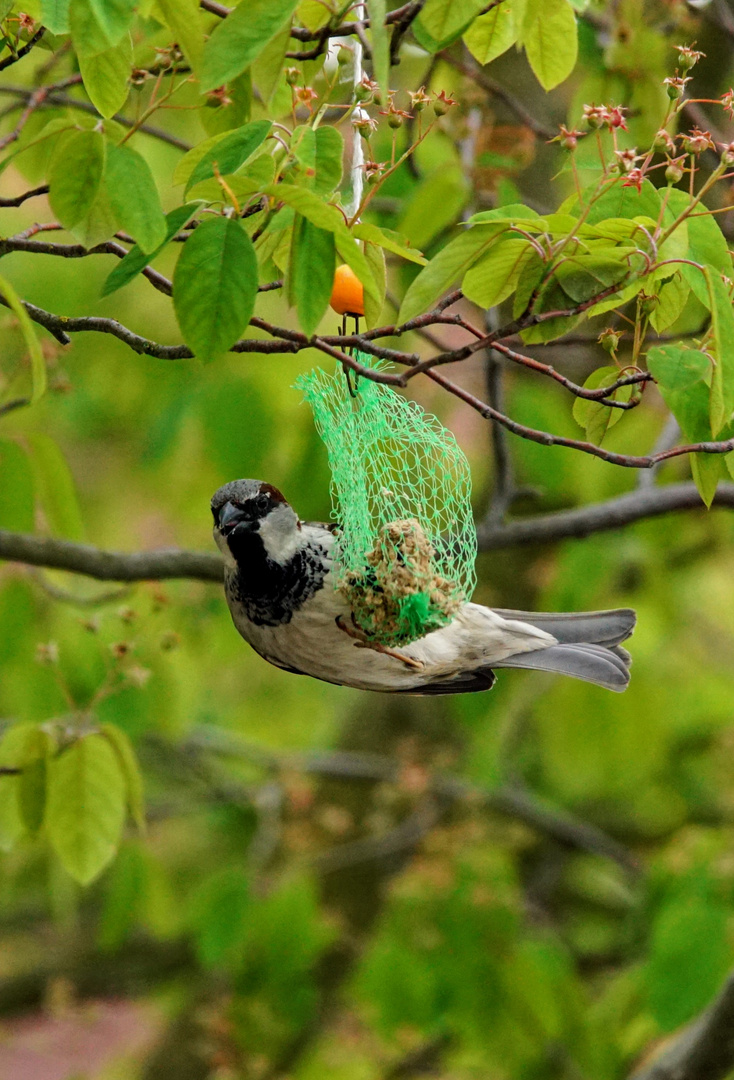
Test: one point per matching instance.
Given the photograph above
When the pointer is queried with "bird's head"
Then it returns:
(252, 519)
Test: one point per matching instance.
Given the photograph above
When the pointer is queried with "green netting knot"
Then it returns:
(401, 494)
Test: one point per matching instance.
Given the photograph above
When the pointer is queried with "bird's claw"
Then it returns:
(362, 642)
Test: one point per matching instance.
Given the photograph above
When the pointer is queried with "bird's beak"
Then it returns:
(230, 516)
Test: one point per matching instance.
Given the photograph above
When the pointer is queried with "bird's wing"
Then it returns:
(467, 682)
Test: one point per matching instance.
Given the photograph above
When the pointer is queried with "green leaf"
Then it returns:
(706, 243)
(99, 223)
(106, 76)
(311, 272)
(39, 379)
(55, 15)
(240, 38)
(190, 160)
(528, 217)
(684, 379)
(75, 177)
(16, 488)
(722, 328)
(136, 259)
(98, 25)
(492, 34)
(55, 486)
(59, 125)
(595, 418)
(495, 276)
(32, 787)
(215, 286)
(707, 470)
(448, 267)
(688, 951)
(252, 178)
(550, 37)
(329, 158)
(619, 201)
(442, 21)
(672, 299)
(134, 197)
(219, 913)
(128, 762)
(379, 35)
(11, 749)
(375, 257)
(230, 152)
(445, 191)
(85, 811)
(309, 204)
(389, 240)
(267, 70)
(184, 19)
(584, 276)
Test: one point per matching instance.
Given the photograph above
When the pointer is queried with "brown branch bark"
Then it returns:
(20, 199)
(638, 505)
(615, 513)
(109, 565)
(15, 57)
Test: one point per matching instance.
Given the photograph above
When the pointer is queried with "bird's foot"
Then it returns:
(363, 642)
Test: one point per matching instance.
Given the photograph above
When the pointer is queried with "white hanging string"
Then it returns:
(357, 169)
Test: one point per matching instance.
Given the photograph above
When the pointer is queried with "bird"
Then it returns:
(279, 578)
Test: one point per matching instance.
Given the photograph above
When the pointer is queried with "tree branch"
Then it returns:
(643, 503)
(15, 57)
(204, 566)
(705, 1049)
(50, 97)
(20, 199)
(109, 565)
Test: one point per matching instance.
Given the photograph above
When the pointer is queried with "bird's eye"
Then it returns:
(215, 515)
(262, 504)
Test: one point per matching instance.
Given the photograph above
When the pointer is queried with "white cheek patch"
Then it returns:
(280, 535)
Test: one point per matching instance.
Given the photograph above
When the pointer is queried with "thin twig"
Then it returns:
(20, 199)
(15, 57)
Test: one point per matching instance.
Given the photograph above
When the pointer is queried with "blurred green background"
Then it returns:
(309, 900)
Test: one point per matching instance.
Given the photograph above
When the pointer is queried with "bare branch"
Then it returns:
(20, 199)
(203, 566)
(109, 565)
(602, 394)
(49, 97)
(705, 1049)
(643, 503)
(545, 438)
(13, 404)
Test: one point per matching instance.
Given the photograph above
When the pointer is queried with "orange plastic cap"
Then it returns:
(347, 296)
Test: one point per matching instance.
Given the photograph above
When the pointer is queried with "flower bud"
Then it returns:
(674, 172)
(647, 304)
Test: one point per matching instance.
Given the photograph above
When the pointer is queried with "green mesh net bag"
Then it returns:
(400, 491)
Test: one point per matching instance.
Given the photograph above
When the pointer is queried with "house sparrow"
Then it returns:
(279, 583)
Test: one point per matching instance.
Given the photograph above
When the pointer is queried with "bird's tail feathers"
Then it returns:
(607, 628)
(608, 667)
